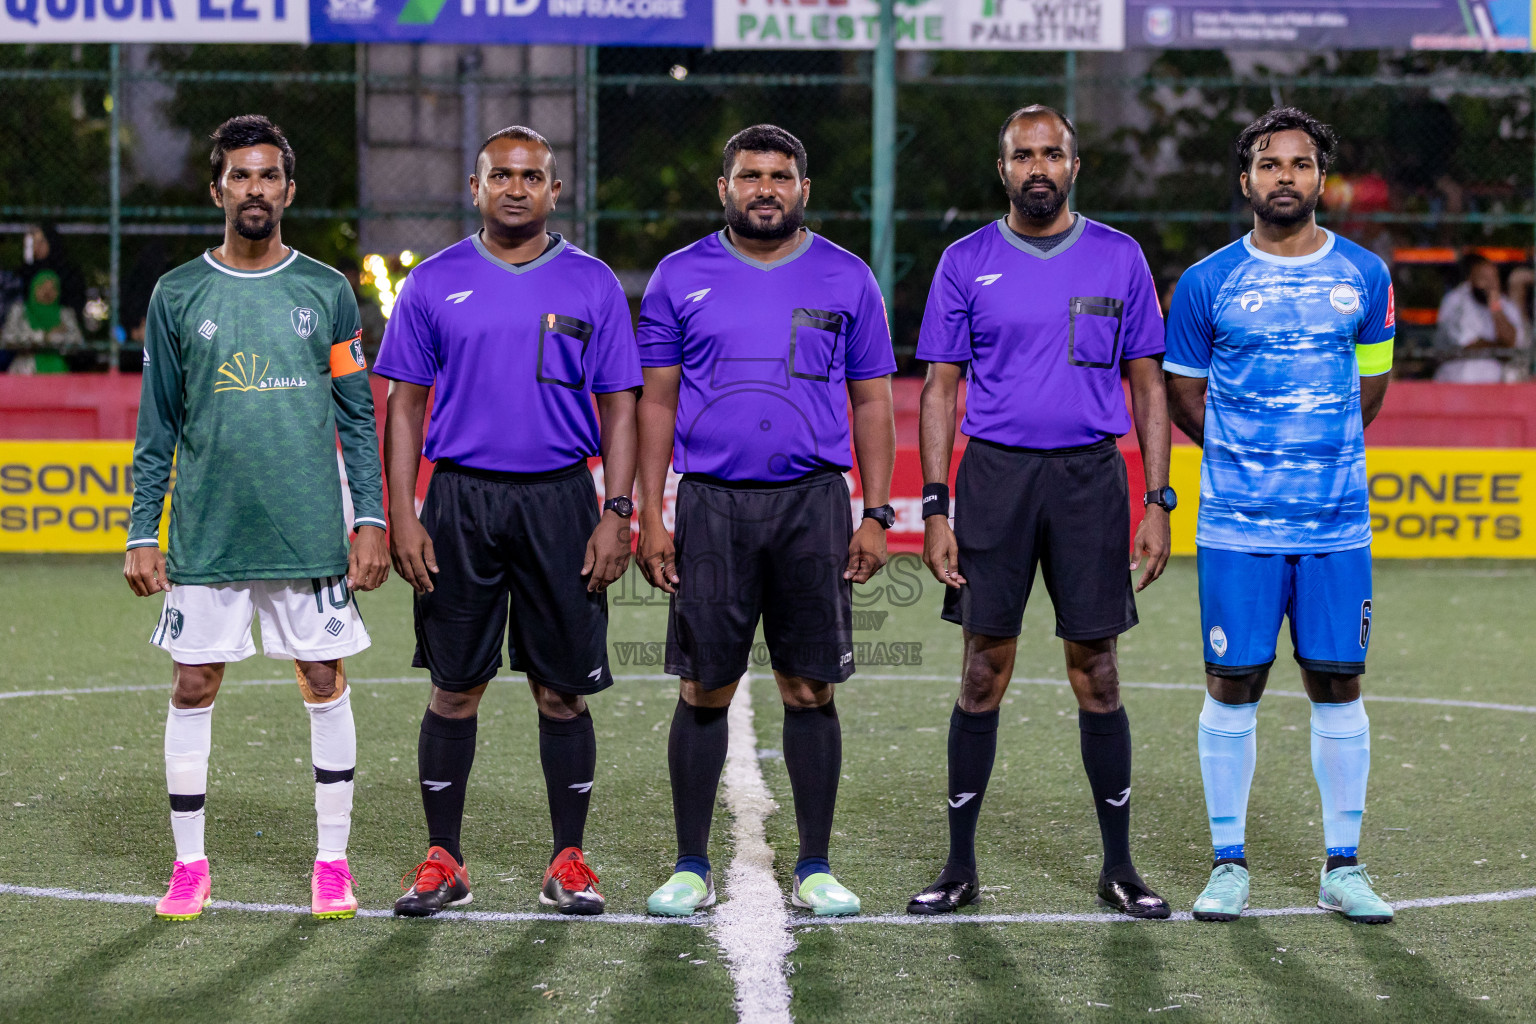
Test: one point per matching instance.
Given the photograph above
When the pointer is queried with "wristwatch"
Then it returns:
(622, 505)
(1163, 496)
(882, 514)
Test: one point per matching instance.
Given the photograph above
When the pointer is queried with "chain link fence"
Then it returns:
(1438, 154)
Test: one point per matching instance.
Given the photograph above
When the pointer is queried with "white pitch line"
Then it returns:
(470, 916)
(752, 926)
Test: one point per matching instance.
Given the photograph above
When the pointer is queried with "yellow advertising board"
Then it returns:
(66, 495)
(1425, 502)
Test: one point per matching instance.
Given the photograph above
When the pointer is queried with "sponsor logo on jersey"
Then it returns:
(986, 279)
(1218, 641)
(1391, 320)
(207, 328)
(1344, 298)
(1251, 302)
(696, 296)
(241, 374)
(304, 321)
(458, 297)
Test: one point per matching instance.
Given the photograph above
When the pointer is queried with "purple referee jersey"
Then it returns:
(1044, 332)
(515, 353)
(766, 351)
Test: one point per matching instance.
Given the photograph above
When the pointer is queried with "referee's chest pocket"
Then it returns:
(563, 342)
(1093, 332)
(813, 337)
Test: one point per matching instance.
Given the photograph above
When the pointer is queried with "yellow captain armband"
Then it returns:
(1374, 360)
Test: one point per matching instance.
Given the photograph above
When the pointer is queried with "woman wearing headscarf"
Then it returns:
(38, 327)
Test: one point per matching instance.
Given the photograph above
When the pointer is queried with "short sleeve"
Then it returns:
(1143, 317)
(1190, 328)
(613, 362)
(869, 340)
(660, 337)
(408, 351)
(1373, 343)
(945, 336)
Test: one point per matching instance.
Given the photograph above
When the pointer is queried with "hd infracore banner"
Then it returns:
(921, 24)
(589, 22)
(1330, 24)
(155, 21)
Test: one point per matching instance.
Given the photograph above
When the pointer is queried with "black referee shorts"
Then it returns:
(1066, 510)
(775, 550)
(518, 540)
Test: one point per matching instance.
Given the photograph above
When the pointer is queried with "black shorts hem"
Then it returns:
(576, 690)
(1235, 671)
(1077, 635)
(841, 676)
(1336, 668)
(708, 684)
(456, 687)
(1000, 632)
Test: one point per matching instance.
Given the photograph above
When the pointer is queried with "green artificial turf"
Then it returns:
(83, 807)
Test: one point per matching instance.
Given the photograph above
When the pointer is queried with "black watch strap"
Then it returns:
(885, 515)
(623, 505)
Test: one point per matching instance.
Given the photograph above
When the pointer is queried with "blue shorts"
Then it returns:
(1244, 595)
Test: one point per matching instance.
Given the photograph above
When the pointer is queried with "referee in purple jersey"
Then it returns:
(1041, 311)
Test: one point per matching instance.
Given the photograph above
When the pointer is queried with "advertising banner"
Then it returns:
(155, 21)
(921, 24)
(585, 22)
(1425, 502)
(1330, 24)
(66, 496)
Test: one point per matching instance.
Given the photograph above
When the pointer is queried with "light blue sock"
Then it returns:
(1228, 752)
(1341, 761)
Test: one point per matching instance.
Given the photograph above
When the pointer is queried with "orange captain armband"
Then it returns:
(347, 356)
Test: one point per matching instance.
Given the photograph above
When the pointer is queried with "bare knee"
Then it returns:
(695, 695)
(1244, 689)
(319, 681)
(451, 704)
(195, 686)
(1093, 670)
(799, 692)
(1330, 687)
(554, 704)
(984, 675)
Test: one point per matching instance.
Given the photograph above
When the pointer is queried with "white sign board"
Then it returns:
(155, 21)
(921, 24)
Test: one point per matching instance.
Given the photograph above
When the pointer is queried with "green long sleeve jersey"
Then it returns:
(249, 378)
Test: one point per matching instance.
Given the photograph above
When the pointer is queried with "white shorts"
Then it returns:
(308, 620)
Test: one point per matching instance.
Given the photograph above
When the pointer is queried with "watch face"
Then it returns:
(623, 506)
(884, 515)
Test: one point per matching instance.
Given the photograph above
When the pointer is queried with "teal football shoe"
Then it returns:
(1347, 890)
(684, 894)
(1225, 896)
(825, 895)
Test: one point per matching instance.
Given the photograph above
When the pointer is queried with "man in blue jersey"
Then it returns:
(1278, 352)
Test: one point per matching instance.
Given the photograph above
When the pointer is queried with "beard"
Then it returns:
(1035, 206)
(1481, 296)
(740, 220)
(255, 230)
(1303, 210)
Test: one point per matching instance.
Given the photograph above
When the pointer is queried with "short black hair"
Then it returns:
(763, 138)
(518, 131)
(1255, 138)
(1471, 261)
(1035, 110)
(243, 132)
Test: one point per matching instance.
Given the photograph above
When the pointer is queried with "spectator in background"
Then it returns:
(42, 249)
(1483, 325)
(38, 328)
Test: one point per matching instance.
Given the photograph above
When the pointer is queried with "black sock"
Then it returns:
(813, 756)
(695, 758)
(568, 751)
(1241, 862)
(1337, 861)
(1106, 742)
(972, 749)
(444, 754)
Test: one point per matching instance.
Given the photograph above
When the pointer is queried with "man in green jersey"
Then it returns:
(253, 365)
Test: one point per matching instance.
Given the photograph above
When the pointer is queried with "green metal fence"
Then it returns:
(1439, 152)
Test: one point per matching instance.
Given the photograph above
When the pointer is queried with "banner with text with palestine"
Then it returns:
(921, 24)
(586, 22)
(155, 21)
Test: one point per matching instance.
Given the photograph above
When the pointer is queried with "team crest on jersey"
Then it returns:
(357, 350)
(1344, 298)
(1219, 641)
(304, 320)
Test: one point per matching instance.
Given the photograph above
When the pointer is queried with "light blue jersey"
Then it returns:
(1284, 342)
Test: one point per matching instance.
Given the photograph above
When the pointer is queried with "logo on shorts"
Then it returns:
(1365, 623)
(174, 621)
(335, 626)
(1218, 641)
(1344, 298)
(303, 321)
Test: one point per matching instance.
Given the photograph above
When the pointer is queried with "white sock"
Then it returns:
(1341, 763)
(333, 750)
(1228, 753)
(188, 740)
